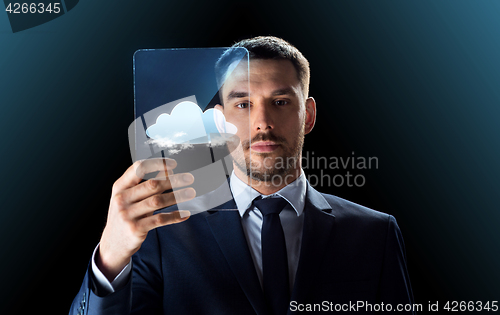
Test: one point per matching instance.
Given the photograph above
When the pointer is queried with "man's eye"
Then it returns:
(281, 102)
(242, 105)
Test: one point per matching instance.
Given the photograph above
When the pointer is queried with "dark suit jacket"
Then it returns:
(349, 253)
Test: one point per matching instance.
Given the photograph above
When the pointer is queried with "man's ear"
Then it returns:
(219, 107)
(310, 115)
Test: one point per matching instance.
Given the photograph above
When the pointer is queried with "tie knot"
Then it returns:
(270, 205)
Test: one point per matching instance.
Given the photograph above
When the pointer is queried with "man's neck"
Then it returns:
(268, 187)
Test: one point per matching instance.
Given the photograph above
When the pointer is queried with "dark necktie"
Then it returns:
(274, 258)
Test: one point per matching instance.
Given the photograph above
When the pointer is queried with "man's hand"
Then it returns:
(130, 215)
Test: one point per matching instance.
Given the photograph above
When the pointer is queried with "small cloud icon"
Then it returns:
(187, 125)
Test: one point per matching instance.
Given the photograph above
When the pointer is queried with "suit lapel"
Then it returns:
(227, 230)
(317, 233)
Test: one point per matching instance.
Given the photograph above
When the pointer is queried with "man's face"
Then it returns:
(267, 105)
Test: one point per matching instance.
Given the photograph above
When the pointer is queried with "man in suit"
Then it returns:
(288, 248)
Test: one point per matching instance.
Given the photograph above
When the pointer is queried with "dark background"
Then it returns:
(414, 83)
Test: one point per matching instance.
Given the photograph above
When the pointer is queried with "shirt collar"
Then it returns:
(294, 193)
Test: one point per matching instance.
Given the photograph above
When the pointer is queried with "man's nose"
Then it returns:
(261, 117)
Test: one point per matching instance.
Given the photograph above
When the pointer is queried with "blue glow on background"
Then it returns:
(415, 83)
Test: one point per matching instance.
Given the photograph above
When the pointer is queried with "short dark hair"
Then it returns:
(266, 47)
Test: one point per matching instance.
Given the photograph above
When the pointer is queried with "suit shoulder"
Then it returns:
(342, 208)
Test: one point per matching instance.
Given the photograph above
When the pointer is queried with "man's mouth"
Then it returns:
(264, 146)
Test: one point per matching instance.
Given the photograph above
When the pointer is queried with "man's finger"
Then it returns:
(159, 201)
(137, 171)
(160, 219)
(156, 186)
(162, 165)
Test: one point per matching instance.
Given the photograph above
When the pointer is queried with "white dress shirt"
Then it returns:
(292, 221)
(291, 217)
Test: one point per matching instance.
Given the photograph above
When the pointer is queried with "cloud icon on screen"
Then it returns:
(187, 125)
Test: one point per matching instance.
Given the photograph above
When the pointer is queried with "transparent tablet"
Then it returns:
(180, 115)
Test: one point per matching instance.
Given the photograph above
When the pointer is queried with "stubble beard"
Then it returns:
(272, 168)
